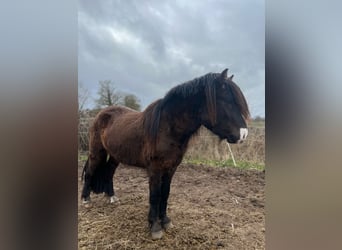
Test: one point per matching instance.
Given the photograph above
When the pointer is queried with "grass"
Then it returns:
(82, 157)
(257, 124)
(226, 163)
(214, 163)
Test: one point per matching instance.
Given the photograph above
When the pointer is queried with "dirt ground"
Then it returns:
(210, 208)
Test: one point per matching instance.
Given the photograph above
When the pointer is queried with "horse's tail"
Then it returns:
(84, 168)
(97, 171)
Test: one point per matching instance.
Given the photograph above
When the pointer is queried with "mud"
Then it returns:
(210, 208)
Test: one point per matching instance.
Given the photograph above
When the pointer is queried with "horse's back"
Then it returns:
(104, 118)
(113, 112)
(122, 134)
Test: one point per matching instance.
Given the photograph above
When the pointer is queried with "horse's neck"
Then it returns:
(184, 120)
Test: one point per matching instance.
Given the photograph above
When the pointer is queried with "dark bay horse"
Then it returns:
(157, 138)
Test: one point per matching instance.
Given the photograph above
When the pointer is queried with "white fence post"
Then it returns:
(230, 150)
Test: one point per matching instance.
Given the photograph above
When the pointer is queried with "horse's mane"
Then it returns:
(151, 119)
(240, 100)
(190, 88)
(153, 112)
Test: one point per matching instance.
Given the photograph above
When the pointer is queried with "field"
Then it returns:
(211, 208)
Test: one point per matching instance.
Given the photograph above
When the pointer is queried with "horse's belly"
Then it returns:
(126, 153)
(129, 156)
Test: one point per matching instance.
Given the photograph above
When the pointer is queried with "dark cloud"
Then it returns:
(148, 47)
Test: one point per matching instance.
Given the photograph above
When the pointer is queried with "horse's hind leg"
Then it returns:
(112, 164)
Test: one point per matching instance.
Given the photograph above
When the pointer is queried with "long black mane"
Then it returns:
(239, 100)
(190, 88)
(184, 90)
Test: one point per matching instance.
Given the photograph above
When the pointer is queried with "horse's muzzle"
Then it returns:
(232, 139)
(243, 134)
(238, 138)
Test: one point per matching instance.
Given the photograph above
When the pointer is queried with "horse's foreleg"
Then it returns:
(155, 198)
(165, 191)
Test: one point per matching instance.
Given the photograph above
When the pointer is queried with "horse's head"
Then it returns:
(227, 111)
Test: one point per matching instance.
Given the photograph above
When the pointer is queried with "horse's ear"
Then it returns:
(231, 77)
(224, 74)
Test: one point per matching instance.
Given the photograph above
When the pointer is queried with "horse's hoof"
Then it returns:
(85, 200)
(157, 235)
(156, 230)
(114, 199)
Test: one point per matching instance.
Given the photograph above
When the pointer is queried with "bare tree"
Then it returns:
(83, 117)
(132, 102)
(107, 93)
(83, 96)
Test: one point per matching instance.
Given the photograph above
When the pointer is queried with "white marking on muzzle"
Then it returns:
(243, 133)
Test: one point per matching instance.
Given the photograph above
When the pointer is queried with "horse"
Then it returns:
(157, 138)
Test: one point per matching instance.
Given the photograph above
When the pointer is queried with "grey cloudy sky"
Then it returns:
(147, 47)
